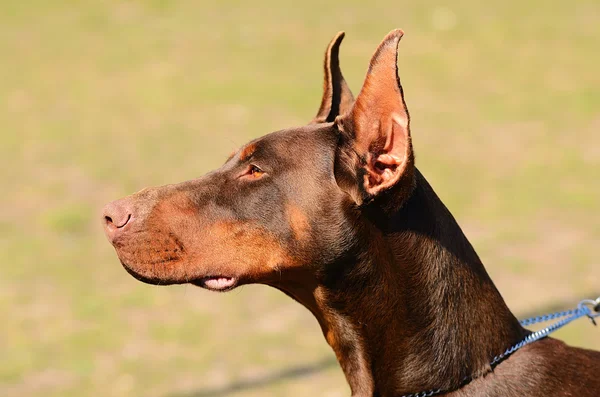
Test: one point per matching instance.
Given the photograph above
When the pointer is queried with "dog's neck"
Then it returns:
(415, 310)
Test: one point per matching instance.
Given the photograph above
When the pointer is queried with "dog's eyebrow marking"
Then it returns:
(247, 152)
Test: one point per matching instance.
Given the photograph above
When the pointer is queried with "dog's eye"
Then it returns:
(253, 171)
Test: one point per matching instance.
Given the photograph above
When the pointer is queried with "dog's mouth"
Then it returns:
(168, 269)
(213, 283)
(217, 283)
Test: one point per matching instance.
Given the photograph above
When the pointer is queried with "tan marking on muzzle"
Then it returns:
(176, 243)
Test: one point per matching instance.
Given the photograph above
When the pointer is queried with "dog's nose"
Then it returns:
(115, 216)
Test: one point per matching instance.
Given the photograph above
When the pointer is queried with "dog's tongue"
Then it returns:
(219, 282)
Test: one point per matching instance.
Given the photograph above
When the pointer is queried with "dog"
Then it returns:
(336, 215)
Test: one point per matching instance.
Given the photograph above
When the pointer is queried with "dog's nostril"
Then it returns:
(117, 221)
(116, 215)
(126, 221)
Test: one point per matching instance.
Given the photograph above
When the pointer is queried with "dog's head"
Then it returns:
(283, 207)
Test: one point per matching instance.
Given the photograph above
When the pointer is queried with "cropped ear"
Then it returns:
(378, 125)
(337, 97)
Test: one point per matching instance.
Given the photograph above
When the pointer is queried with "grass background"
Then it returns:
(100, 99)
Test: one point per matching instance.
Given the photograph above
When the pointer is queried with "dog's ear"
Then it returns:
(337, 97)
(377, 127)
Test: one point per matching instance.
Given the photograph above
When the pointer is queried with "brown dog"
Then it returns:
(336, 215)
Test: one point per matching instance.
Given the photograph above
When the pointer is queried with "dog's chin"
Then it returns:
(150, 279)
(217, 283)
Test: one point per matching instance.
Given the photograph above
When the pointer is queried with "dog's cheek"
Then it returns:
(240, 249)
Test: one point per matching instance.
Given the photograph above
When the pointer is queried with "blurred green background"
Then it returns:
(99, 99)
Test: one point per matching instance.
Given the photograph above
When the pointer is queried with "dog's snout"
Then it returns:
(116, 216)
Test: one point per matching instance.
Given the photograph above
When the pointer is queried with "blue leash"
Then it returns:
(586, 308)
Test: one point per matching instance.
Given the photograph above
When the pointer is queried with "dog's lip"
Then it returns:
(213, 283)
(217, 283)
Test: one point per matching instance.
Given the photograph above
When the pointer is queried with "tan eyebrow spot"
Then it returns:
(247, 152)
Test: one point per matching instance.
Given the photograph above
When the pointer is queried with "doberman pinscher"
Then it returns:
(336, 215)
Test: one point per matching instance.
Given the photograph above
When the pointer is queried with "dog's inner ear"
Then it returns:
(378, 123)
(337, 97)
